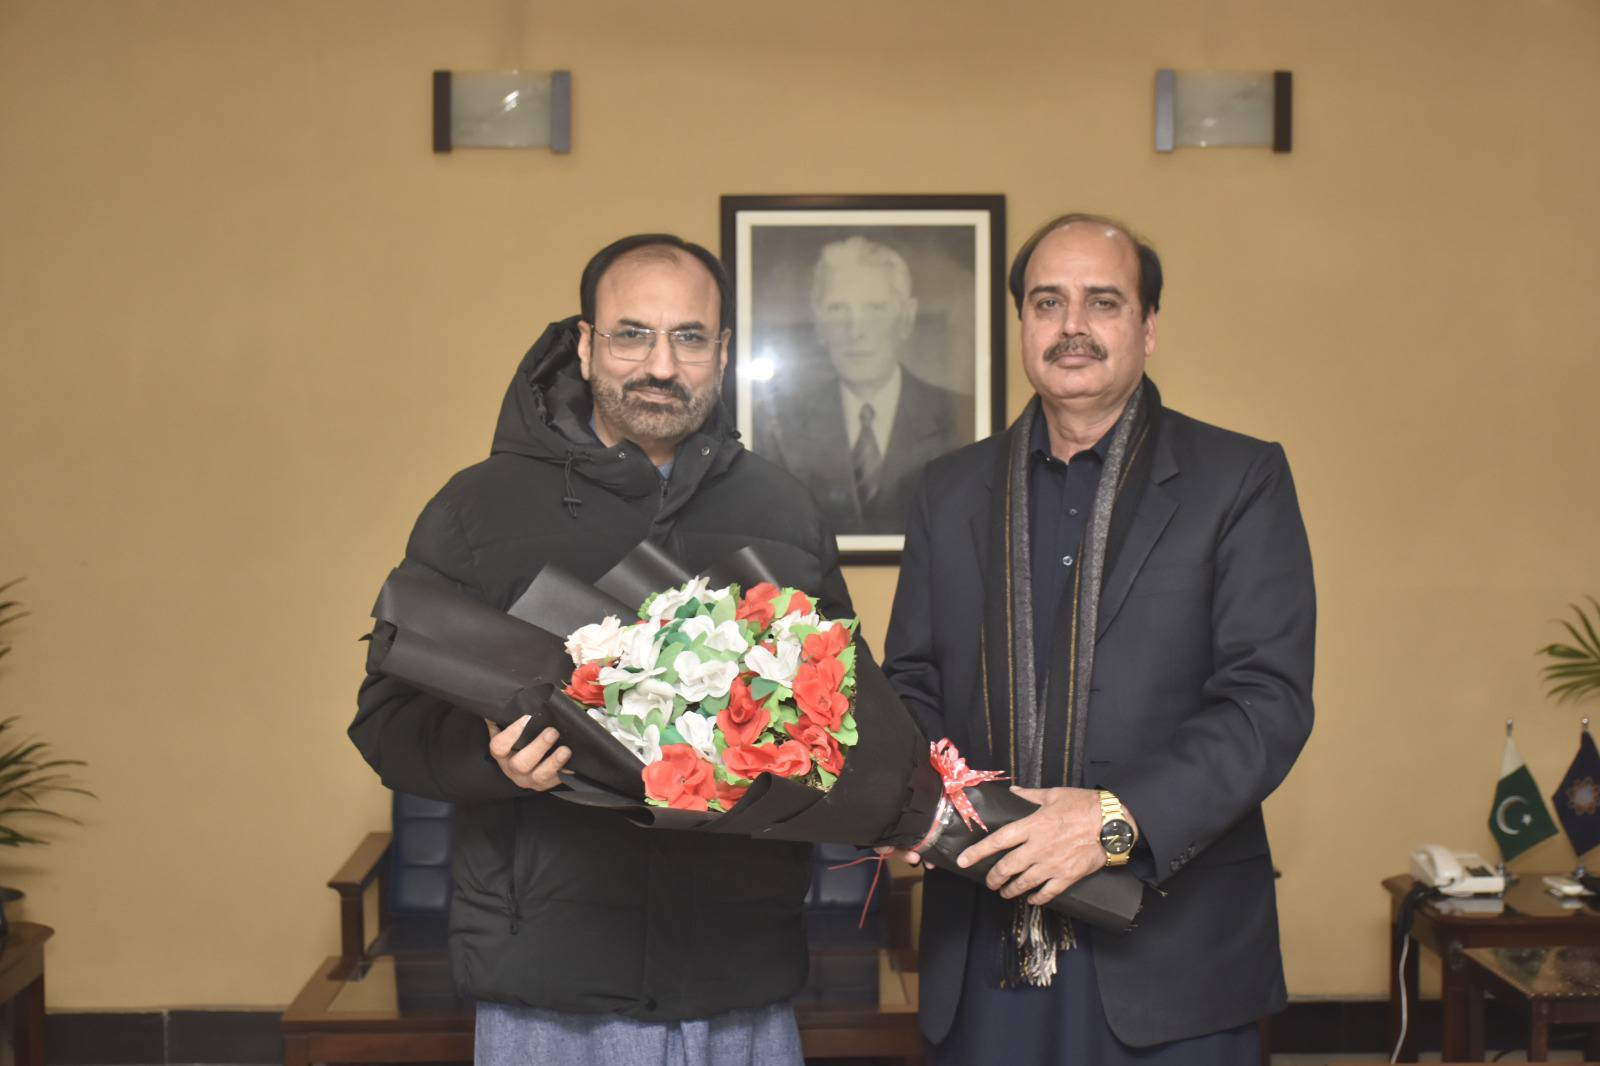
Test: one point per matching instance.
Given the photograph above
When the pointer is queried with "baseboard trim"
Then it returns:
(252, 1037)
(160, 1038)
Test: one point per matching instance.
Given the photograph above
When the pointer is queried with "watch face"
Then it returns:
(1116, 836)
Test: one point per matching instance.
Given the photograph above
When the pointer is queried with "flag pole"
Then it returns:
(1507, 878)
(1581, 871)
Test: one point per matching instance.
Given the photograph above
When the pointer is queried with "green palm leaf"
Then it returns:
(28, 772)
(1574, 671)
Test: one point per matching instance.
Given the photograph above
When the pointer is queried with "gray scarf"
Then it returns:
(1041, 719)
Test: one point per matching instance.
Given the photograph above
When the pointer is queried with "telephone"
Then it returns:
(1455, 873)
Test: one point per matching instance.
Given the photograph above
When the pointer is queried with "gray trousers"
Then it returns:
(529, 1036)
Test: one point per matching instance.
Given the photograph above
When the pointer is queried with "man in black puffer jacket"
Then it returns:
(574, 930)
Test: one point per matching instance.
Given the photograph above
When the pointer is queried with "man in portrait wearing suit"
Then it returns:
(1112, 602)
(859, 432)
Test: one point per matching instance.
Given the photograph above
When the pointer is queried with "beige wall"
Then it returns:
(248, 323)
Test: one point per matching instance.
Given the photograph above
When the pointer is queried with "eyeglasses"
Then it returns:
(690, 347)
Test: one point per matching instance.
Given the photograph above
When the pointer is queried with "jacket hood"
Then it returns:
(546, 414)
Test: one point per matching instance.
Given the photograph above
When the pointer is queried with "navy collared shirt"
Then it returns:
(1060, 496)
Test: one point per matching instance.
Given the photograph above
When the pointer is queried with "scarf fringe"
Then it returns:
(1031, 950)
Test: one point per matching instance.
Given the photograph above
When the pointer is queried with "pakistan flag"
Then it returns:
(1518, 819)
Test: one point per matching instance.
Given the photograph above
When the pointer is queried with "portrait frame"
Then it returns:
(953, 247)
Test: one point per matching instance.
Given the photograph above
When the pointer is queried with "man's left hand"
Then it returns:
(1046, 852)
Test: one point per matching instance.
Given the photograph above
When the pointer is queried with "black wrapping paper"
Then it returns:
(501, 666)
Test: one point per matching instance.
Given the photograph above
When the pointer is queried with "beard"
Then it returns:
(666, 416)
(1079, 344)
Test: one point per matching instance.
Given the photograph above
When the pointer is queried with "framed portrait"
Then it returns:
(869, 338)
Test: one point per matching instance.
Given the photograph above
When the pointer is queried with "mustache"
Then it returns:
(668, 385)
(1077, 344)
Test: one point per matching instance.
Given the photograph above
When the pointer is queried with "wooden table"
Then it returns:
(1530, 918)
(1549, 985)
(22, 985)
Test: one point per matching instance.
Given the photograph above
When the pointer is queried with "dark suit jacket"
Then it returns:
(1199, 703)
(803, 431)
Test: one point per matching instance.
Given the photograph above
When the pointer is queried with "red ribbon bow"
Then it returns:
(958, 777)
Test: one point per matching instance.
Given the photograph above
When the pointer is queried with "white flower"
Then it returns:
(598, 640)
(640, 647)
(666, 604)
(728, 637)
(611, 675)
(782, 626)
(648, 695)
(699, 731)
(699, 678)
(724, 637)
(778, 667)
(646, 744)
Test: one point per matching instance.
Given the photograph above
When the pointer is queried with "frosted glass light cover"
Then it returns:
(502, 109)
(1222, 107)
(1218, 108)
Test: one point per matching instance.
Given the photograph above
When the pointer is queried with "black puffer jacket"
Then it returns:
(561, 906)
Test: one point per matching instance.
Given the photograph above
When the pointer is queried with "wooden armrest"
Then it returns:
(359, 870)
(362, 865)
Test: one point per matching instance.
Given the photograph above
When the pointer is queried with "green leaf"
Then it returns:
(761, 688)
(613, 697)
(688, 610)
(825, 779)
(670, 735)
(848, 657)
(714, 705)
(1575, 670)
(724, 610)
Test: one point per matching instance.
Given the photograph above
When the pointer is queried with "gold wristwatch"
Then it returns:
(1116, 835)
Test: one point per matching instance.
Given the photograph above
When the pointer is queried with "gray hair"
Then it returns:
(867, 253)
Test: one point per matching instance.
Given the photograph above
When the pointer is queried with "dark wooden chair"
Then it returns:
(388, 997)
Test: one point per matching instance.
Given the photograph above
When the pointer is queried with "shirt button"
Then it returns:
(1073, 511)
(1066, 560)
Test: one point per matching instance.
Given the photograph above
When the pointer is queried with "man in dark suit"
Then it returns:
(1113, 602)
(859, 433)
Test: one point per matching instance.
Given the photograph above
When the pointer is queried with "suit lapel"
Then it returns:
(1156, 507)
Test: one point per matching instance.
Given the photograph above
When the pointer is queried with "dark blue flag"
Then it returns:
(1577, 798)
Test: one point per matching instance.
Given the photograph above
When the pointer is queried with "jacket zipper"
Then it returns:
(512, 904)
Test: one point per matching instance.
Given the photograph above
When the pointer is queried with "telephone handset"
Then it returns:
(1455, 873)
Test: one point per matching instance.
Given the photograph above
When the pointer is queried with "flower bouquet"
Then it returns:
(711, 688)
(726, 704)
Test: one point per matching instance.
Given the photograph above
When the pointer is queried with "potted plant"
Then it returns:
(28, 772)
(1574, 669)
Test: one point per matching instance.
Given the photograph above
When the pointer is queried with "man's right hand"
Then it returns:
(535, 767)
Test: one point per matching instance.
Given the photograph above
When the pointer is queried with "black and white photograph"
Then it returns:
(868, 340)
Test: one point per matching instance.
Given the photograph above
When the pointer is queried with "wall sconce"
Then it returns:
(502, 109)
(1214, 108)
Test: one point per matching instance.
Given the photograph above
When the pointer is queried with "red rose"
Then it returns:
(756, 606)
(827, 644)
(728, 795)
(823, 748)
(816, 692)
(680, 779)
(792, 760)
(789, 759)
(798, 603)
(743, 719)
(583, 686)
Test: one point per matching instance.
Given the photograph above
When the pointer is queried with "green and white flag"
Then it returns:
(1519, 818)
